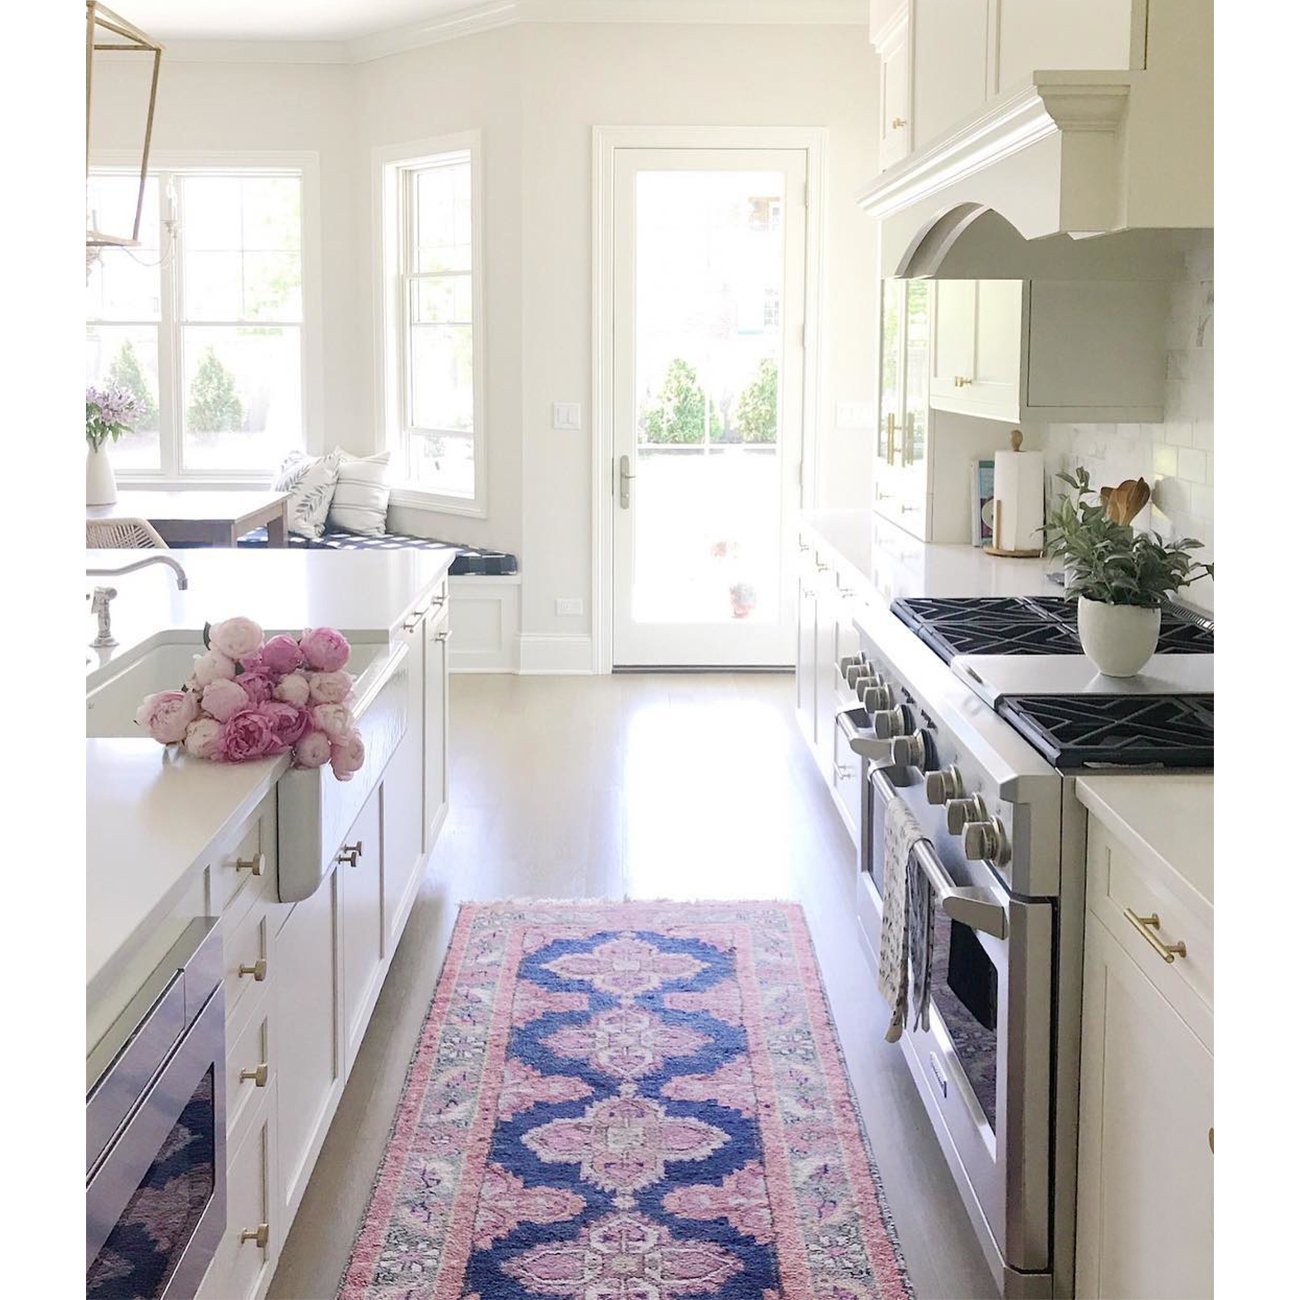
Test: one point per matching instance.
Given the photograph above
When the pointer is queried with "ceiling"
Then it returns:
(280, 20)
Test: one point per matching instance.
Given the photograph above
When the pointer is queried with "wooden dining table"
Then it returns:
(204, 517)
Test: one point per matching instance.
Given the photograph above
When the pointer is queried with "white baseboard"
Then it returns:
(484, 624)
(555, 653)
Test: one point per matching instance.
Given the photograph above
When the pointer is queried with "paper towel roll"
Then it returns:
(1018, 491)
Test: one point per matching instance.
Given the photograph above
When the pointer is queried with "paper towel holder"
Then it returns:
(996, 548)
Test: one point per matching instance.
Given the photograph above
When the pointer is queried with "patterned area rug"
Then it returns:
(627, 1101)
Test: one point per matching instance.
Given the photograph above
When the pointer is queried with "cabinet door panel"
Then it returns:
(437, 633)
(954, 335)
(805, 672)
(949, 71)
(361, 902)
(998, 327)
(310, 1074)
(1064, 34)
(1146, 1169)
(895, 94)
(403, 798)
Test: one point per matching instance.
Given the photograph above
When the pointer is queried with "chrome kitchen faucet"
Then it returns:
(99, 602)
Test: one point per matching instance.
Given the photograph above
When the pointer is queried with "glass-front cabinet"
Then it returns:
(901, 488)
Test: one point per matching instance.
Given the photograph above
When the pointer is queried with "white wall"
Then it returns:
(1176, 457)
(535, 91)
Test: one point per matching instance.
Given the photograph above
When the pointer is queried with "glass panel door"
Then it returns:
(708, 360)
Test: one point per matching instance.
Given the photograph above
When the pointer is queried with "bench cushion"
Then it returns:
(469, 559)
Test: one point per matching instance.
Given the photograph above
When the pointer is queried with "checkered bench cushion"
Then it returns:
(469, 559)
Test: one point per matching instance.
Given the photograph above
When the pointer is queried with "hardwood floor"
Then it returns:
(637, 786)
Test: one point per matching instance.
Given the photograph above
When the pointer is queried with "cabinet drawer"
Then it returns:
(240, 1267)
(248, 1069)
(247, 947)
(251, 859)
(1120, 890)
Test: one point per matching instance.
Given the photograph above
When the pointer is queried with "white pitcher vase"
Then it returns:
(101, 485)
(1119, 639)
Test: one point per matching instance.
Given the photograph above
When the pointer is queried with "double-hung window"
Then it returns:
(203, 322)
(433, 355)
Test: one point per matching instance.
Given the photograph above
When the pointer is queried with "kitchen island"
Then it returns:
(309, 880)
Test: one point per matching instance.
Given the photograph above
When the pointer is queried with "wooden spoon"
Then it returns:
(1123, 503)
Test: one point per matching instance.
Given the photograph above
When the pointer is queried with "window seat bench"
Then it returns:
(469, 559)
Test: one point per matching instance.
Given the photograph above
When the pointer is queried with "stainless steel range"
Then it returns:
(978, 713)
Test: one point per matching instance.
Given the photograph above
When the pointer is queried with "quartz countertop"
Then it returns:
(1164, 816)
(153, 814)
(894, 564)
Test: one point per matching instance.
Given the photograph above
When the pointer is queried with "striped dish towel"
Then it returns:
(906, 924)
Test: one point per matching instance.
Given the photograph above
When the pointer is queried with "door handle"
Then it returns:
(625, 477)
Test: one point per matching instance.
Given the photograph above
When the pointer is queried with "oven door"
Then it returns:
(984, 1064)
(156, 1185)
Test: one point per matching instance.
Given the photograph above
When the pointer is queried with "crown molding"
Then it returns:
(492, 14)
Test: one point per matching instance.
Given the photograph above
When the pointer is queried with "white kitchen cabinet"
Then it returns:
(805, 661)
(308, 1034)
(1032, 35)
(893, 42)
(1049, 350)
(437, 633)
(1146, 1160)
(361, 918)
(402, 800)
(901, 481)
(950, 77)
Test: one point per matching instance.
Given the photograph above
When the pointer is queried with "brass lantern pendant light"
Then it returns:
(107, 33)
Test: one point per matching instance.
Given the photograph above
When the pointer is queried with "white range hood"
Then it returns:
(1075, 153)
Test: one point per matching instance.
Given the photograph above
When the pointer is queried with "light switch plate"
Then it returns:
(853, 415)
(566, 416)
(569, 606)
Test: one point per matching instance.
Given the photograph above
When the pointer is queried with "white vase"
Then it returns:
(1119, 639)
(101, 486)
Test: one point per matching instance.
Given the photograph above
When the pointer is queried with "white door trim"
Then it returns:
(605, 141)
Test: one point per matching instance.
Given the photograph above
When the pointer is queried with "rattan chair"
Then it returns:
(133, 534)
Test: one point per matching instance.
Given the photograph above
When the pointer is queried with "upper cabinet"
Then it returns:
(893, 43)
(1098, 349)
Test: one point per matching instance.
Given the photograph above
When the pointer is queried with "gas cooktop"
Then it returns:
(1027, 625)
(1115, 731)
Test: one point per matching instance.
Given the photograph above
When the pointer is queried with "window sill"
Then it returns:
(217, 483)
(414, 498)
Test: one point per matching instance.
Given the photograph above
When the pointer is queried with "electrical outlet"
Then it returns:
(569, 607)
(566, 416)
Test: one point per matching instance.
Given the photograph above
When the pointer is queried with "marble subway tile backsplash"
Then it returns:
(1176, 457)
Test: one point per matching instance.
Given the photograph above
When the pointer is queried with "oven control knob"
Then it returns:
(942, 786)
(850, 664)
(985, 841)
(961, 811)
(910, 751)
(859, 672)
(876, 695)
(888, 722)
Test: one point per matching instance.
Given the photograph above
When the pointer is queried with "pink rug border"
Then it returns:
(879, 1230)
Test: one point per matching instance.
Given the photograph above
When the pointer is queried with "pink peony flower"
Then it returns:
(258, 684)
(245, 735)
(212, 667)
(325, 649)
(281, 654)
(335, 720)
(202, 738)
(312, 750)
(330, 688)
(224, 698)
(287, 722)
(293, 689)
(348, 756)
(237, 638)
(166, 715)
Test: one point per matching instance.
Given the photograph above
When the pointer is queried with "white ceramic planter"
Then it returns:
(1119, 639)
(101, 485)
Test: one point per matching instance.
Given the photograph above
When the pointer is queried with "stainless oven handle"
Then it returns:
(869, 747)
(977, 908)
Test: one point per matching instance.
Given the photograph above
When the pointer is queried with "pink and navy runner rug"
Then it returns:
(627, 1101)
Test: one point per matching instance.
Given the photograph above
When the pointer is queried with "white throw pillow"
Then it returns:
(310, 484)
(360, 502)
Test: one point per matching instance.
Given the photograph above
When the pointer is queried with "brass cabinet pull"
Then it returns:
(1145, 925)
(412, 623)
(254, 865)
(898, 122)
(257, 1077)
(889, 438)
(260, 1235)
(350, 852)
(257, 970)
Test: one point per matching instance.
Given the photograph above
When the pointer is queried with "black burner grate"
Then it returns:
(1024, 625)
(1086, 731)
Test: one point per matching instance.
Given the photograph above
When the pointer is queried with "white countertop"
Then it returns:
(1162, 816)
(152, 814)
(364, 594)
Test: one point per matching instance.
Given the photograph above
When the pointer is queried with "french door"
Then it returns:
(709, 252)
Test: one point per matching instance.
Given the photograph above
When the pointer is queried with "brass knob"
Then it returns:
(257, 970)
(257, 1077)
(254, 865)
(260, 1235)
(897, 122)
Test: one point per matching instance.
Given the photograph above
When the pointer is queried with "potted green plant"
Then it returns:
(110, 412)
(1121, 578)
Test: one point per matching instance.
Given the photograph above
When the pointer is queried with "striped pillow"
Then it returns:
(360, 503)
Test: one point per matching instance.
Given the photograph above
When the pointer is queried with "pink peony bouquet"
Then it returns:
(253, 697)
